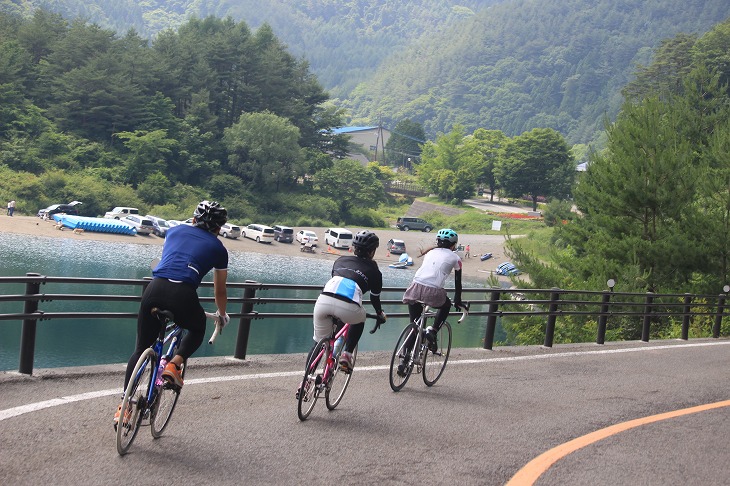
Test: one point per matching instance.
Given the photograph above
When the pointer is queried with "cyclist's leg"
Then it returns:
(442, 314)
(148, 327)
(182, 300)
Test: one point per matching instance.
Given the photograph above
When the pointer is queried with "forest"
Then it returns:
(508, 65)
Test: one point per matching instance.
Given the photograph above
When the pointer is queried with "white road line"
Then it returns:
(33, 407)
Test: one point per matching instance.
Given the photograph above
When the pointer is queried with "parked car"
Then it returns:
(396, 247)
(338, 237)
(259, 232)
(283, 234)
(143, 226)
(173, 222)
(306, 236)
(229, 230)
(418, 224)
(120, 211)
(188, 222)
(160, 225)
(69, 208)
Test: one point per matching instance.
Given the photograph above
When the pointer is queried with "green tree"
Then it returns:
(405, 143)
(634, 200)
(537, 163)
(155, 189)
(488, 147)
(264, 150)
(448, 167)
(149, 153)
(350, 185)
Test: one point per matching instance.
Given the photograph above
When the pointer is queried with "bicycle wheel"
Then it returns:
(338, 384)
(311, 385)
(134, 404)
(401, 364)
(435, 363)
(167, 395)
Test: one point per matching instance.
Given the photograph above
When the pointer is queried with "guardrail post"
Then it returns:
(647, 317)
(603, 318)
(686, 317)
(27, 333)
(244, 325)
(491, 319)
(718, 315)
(552, 317)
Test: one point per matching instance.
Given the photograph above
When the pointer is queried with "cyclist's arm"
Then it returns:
(457, 285)
(220, 277)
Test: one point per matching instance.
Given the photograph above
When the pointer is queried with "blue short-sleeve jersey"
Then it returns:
(189, 253)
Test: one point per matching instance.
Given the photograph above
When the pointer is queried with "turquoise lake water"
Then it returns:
(70, 342)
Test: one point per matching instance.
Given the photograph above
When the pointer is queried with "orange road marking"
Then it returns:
(536, 467)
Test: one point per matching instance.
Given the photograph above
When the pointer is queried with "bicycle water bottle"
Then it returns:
(338, 346)
(159, 381)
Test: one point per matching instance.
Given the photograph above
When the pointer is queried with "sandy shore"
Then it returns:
(474, 269)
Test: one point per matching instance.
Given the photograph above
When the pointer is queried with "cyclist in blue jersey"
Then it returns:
(352, 277)
(188, 254)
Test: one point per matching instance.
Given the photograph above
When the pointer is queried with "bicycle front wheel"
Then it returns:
(338, 384)
(311, 385)
(134, 404)
(167, 395)
(435, 363)
(401, 363)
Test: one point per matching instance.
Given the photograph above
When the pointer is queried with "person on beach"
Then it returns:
(11, 207)
(188, 254)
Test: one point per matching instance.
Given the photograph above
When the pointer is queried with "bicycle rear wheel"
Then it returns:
(134, 404)
(167, 395)
(311, 385)
(338, 384)
(435, 363)
(401, 363)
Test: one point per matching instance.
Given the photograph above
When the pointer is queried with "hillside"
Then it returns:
(525, 64)
(510, 65)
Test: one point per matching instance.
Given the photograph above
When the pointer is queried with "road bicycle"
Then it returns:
(413, 351)
(322, 372)
(148, 396)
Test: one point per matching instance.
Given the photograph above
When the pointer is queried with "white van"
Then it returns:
(259, 232)
(338, 238)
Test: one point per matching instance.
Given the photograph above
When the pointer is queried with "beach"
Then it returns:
(473, 268)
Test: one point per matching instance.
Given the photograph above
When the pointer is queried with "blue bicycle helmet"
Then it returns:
(447, 234)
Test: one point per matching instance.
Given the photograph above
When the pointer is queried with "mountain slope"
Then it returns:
(527, 63)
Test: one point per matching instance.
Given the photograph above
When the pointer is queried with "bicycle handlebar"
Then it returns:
(217, 330)
(464, 310)
(378, 322)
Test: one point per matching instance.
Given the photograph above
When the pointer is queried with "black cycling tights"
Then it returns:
(415, 311)
(182, 301)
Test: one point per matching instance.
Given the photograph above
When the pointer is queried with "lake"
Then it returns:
(69, 342)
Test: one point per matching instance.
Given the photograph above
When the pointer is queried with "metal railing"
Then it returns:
(493, 303)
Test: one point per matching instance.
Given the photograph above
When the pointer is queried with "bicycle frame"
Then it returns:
(329, 369)
(418, 343)
(172, 338)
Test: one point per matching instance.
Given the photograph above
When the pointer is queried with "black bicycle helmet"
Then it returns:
(210, 216)
(366, 240)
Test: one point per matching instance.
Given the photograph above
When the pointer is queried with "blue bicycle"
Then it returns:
(148, 396)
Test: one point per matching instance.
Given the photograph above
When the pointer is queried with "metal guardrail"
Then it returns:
(495, 304)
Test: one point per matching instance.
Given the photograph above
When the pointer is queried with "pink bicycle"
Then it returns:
(323, 374)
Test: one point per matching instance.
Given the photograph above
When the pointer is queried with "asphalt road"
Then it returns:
(492, 413)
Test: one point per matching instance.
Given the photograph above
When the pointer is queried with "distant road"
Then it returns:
(499, 207)
(488, 417)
